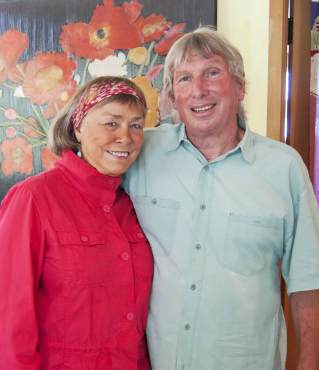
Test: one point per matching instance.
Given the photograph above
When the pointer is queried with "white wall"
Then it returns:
(245, 23)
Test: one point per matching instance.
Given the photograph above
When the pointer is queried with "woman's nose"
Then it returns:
(124, 135)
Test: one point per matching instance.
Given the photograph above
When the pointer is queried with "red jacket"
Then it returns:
(75, 273)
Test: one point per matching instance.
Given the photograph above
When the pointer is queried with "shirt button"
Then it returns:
(125, 256)
(130, 316)
(84, 238)
(106, 208)
(193, 287)
(154, 201)
(187, 327)
(198, 246)
(202, 207)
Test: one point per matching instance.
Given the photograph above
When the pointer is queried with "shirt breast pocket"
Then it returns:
(84, 256)
(250, 242)
(158, 218)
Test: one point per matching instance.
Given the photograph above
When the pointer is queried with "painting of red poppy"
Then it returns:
(50, 48)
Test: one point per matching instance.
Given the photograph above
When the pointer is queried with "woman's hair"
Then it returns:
(61, 134)
(206, 42)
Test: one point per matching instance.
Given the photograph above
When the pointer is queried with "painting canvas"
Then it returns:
(50, 48)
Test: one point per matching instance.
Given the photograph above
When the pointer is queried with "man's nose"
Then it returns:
(199, 87)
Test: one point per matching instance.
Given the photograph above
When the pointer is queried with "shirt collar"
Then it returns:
(97, 188)
(246, 145)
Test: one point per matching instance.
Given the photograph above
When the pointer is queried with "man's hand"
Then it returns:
(305, 312)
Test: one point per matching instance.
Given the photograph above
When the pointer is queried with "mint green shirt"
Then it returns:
(218, 232)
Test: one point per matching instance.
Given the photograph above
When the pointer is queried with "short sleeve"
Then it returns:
(300, 265)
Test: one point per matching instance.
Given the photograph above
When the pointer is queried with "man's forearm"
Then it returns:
(305, 312)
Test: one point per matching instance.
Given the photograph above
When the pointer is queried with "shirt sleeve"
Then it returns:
(21, 250)
(301, 258)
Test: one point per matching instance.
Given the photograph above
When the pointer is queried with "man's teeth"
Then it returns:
(203, 109)
(119, 154)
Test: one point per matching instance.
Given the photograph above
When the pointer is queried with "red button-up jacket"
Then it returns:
(75, 273)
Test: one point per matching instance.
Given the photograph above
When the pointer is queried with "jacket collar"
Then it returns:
(98, 189)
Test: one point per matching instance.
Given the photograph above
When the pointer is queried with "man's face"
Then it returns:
(206, 95)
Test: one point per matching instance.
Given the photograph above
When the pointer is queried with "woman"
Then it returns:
(75, 267)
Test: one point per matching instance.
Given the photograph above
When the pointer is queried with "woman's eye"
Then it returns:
(137, 126)
(111, 124)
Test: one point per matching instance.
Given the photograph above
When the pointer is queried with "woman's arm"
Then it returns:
(21, 249)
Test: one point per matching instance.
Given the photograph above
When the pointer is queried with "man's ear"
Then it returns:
(241, 92)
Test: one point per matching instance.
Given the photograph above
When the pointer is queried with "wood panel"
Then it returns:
(298, 107)
(300, 79)
(277, 66)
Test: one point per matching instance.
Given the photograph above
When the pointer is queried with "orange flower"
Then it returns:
(152, 96)
(152, 27)
(123, 33)
(47, 75)
(61, 99)
(48, 158)
(163, 46)
(111, 27)
(132, 9)
(17, 155)
(90, 41)
(12, 44)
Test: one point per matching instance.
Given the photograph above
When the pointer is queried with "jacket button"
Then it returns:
(140, 235)
(106, 208)
(130, 316)
(84, 238)
(125, 256)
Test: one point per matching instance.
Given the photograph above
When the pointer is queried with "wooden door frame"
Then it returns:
(298, 107)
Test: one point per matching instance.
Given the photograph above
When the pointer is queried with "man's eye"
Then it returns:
(213, 72)
(184, 79)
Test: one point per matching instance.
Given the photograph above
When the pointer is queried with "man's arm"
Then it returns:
(305, 313)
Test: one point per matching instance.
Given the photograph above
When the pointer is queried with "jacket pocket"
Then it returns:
(158, 218)
(84, 239)
(249, 242)
(84, 255)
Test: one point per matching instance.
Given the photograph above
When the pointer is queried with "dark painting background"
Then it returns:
(42, 21)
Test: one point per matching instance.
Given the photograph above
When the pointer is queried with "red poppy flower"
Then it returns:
(163, 46)
(90, 41)
(46, 76)
(132, 9)
(12, 44)
(152, 27)
(17, 155)
(122, 32)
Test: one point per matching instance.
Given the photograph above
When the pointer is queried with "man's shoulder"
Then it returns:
(275, 149)
(162, 136)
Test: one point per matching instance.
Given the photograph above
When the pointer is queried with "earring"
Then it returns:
(79, 153)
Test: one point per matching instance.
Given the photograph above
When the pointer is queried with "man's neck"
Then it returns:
(213, 146)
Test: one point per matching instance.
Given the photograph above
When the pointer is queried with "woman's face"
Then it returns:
(111, 137)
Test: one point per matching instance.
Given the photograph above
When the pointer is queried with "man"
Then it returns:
(223, 208)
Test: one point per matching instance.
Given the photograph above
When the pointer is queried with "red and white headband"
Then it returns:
(97, 93)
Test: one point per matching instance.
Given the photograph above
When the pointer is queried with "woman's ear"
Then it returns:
(77, 133)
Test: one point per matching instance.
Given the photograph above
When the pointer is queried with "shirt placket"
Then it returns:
(195, 270)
